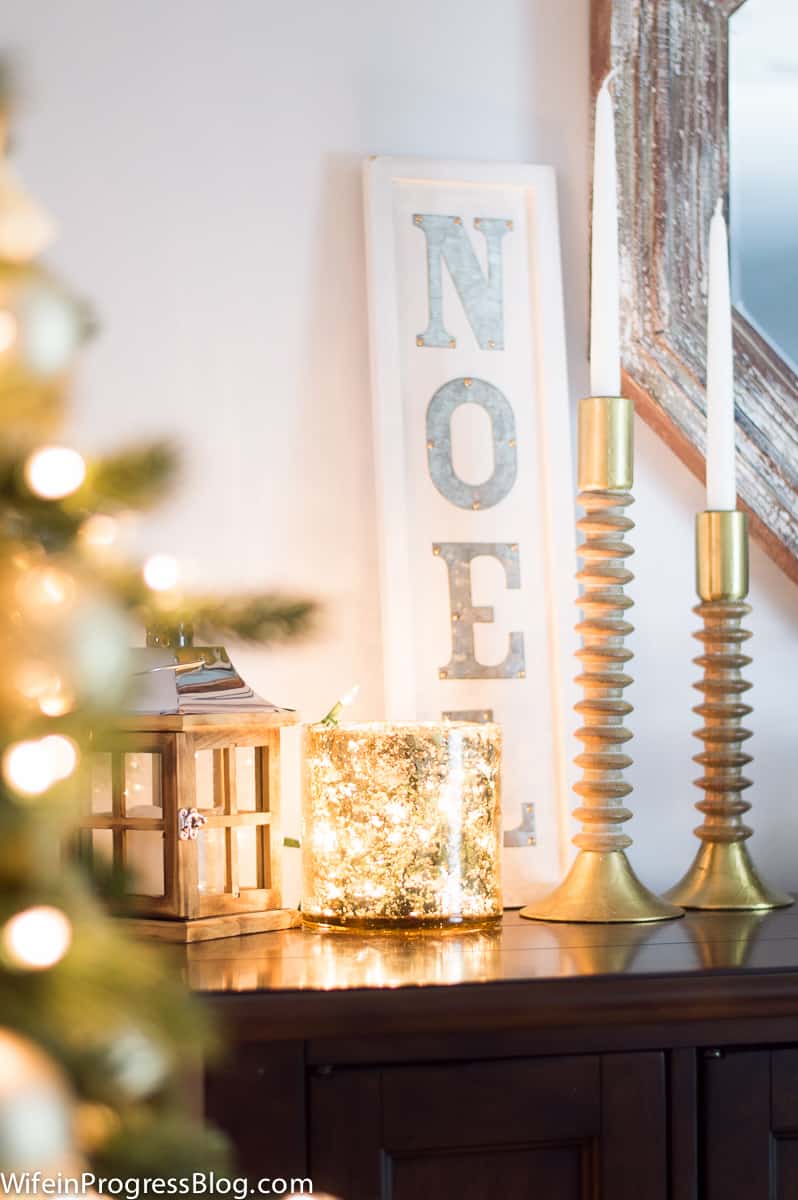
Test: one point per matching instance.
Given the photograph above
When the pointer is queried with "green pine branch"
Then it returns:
(136, 479)
(262, 619)
(256, 617)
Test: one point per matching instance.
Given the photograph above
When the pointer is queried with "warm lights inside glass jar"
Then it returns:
(402, 825)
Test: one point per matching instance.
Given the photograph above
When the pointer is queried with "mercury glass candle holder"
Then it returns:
(402, 826)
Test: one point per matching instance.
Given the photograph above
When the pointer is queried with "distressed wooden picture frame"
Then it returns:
(474, 476)
(671, 103)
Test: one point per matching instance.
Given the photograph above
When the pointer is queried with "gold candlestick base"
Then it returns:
(601, 886)
(722, 876)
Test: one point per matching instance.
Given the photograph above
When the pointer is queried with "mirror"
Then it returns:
(763, 169)
(706, 106)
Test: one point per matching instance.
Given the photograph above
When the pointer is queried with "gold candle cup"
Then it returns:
(606, 444)
(721, 555)
(402, 826)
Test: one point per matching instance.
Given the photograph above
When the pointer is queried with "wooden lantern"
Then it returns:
(188, 804)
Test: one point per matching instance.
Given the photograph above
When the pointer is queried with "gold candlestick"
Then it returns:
(722, 875)
(601, 885)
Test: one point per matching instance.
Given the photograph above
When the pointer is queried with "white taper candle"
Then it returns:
(721, 484)
(605, 347)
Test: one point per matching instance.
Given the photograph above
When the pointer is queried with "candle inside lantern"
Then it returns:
(721, 483)
(605, 348)
(402, 825)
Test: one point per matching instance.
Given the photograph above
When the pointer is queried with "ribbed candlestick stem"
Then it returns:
(723, 875)
(601, 886)
(603, 658)
(722, 710)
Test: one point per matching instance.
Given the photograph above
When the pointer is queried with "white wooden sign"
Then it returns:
(474, 478)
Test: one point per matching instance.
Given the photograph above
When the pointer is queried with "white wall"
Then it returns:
(203, 159)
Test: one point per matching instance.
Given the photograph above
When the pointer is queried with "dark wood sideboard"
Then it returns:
(648, 1062)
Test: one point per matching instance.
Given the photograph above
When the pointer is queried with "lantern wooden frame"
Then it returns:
(184, 912)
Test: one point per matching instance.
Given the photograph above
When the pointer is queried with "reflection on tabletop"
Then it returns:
(301, 960)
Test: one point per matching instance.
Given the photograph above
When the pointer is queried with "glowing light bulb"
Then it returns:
(32, 767)
(8, 330)
(61, 754)
(27, 769)
(55, 471)
(99, 532)
(43, 588)
(161, 572)
(56, 700)
(53, 588)
(36, 681)
(37, 937)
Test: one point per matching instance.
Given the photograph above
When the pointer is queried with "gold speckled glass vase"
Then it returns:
(402, 826)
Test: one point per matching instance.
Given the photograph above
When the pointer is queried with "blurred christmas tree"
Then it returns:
(97, 1036)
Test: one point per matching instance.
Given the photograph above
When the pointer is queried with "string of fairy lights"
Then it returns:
(37, 937)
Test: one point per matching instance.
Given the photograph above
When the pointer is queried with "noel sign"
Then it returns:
(475, 493)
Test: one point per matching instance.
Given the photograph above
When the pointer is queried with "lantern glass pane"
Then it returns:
(101, 783)
(211, 859)
(246, 789)
(247, 856)
(204, 779)
(144, 862)
(142, 785)
(211, 855)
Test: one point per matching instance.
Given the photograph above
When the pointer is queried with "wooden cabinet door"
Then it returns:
(256, 1096)
(750, 1117)
(574, 1128)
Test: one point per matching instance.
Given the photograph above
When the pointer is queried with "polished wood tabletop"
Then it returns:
(705, 966)
(306, 960)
